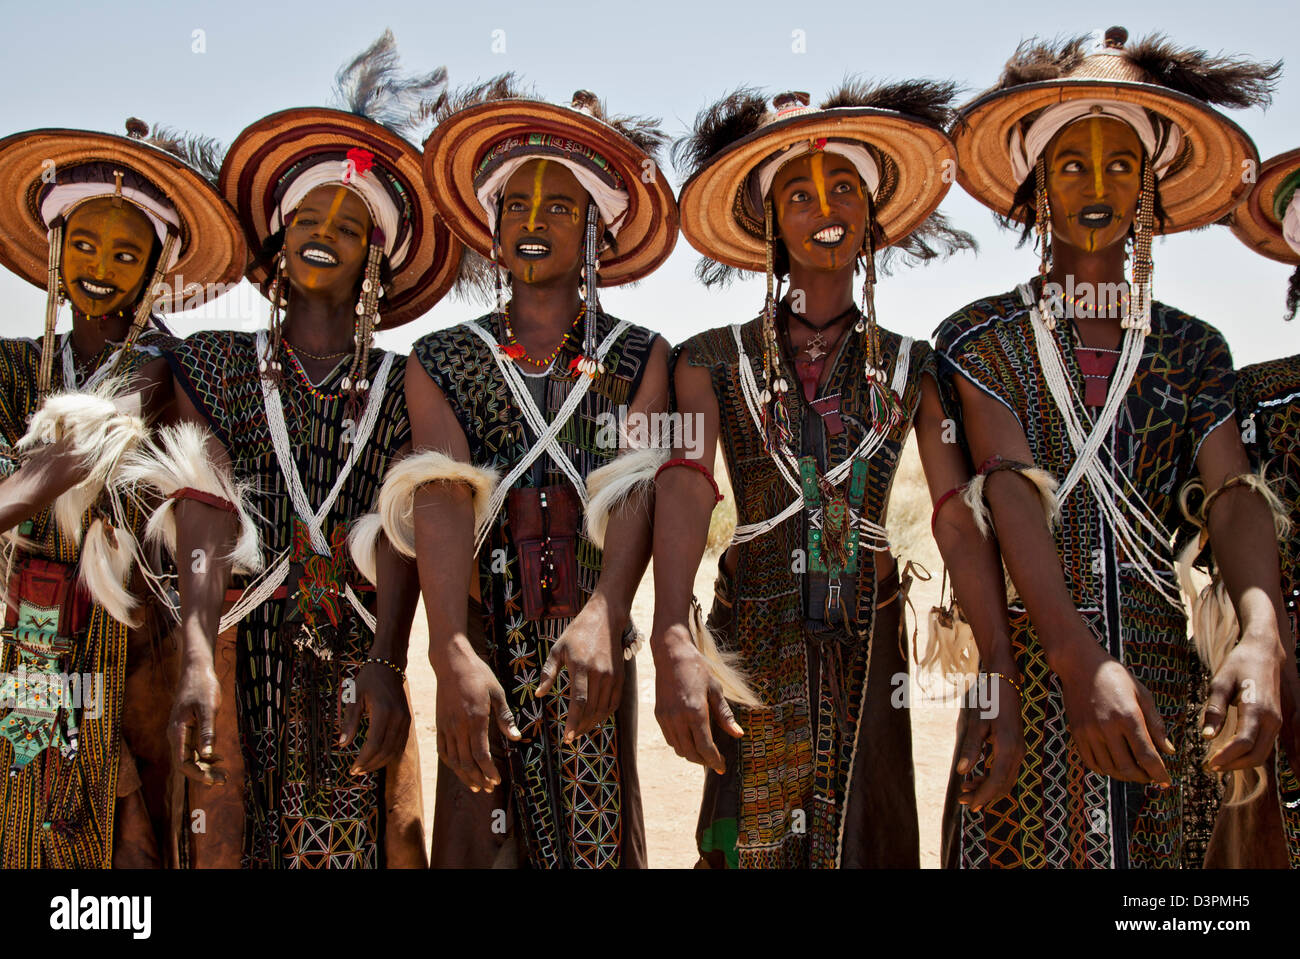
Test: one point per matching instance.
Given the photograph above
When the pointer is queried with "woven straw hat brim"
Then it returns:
(457, 145)
(920, 152)
(1204, 184)
(1254, 222)
(263, 152)
(212, 247)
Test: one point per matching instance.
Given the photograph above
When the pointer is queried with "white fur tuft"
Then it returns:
(1044, 483)
(100, 433)
(106, 556)
(177, 459)
(363, 544)
(629, 477)
(723, 665)
(396, 506)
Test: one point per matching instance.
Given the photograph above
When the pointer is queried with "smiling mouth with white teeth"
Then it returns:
(829, 236)
(98, 291)
(532, 249)
(1097, 216)
(318, 254)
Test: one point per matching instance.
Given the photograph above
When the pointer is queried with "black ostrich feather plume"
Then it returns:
(1226, 81)
(736, 115)
(930, 100)
(373, 86)
(203, 154)
(1036, 60)
(1222, 80)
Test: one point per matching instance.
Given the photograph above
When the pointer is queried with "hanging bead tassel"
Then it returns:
(588, 363)
(885, 406)
(278, 293)
(45, 372)
(1139, 318)
(144, 308)
(355, 382)
(1043, 227)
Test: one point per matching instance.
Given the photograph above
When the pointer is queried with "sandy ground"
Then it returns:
(670, 785)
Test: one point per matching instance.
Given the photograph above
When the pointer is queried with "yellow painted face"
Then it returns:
(106, 247)
(821, 210)
(543, 216)
(327, 240)
(1094, 178)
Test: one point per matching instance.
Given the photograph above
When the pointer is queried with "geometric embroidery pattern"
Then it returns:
(568, 797)
(1060, 814)
(303, 809)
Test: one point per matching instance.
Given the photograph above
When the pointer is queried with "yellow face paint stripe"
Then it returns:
(329, 222)
(537, 193)
(819, 181)
(1097, 160)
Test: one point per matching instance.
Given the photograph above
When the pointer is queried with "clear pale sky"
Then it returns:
(92, 65)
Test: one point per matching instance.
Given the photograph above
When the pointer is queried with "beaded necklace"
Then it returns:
(306, 381)
(516, 351)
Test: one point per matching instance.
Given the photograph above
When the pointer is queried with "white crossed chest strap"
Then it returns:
(546, 433)
(312, 519)
(788, 470)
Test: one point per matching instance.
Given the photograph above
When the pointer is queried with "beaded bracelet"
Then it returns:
(209, 499)
(934, 515)
(1010, 682)
(401, 673)
(695, 465)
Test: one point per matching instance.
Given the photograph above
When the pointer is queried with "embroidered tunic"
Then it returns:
(1268, 402)
(60, 772)
(303, 808)
(823, 775)
(1061, 814)
(577, 804)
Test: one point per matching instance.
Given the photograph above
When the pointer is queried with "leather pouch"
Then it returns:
(544, 528)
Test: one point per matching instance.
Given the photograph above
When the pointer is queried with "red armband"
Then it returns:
(208, 499)
(695, 465)
(955, 491)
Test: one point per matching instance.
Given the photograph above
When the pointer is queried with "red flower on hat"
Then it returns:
(361, 160)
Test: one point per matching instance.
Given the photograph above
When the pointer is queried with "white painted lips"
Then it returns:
(830, 234)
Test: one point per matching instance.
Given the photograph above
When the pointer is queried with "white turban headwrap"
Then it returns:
(610, 201)
(856, 153)
(1161, 144)
(334, 172)
(1291, 222)
(62, 197)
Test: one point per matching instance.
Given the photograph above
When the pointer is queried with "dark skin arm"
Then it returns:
(1245, 548)
(205, 537)
(686, 693)
(976, 570)
(379, 691)
(592, 647)
(469, 695)
(1112, 716)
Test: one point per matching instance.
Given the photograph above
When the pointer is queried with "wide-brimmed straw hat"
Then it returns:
(210, 245)
(912, 153)
(277, 145)
(512, 126)
(1199, 181)
(1258, 221)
